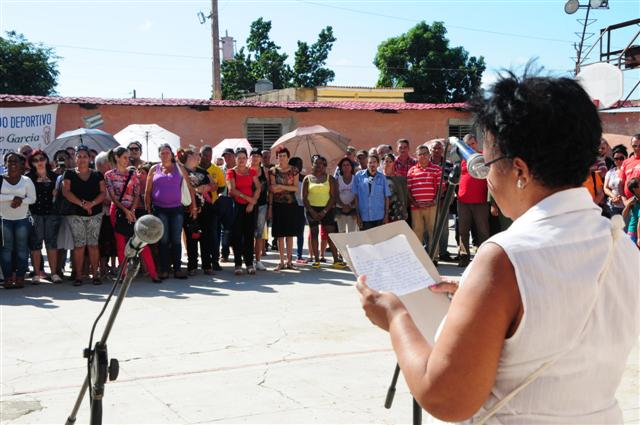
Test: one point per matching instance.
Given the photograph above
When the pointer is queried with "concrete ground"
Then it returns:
(290, 347)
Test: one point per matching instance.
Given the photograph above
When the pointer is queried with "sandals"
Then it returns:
(251, 270)
(238, 271)
(315, 265)
(279, 267)
(339, 265)
(290, 266)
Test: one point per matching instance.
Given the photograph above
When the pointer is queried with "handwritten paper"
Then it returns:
(390, 265)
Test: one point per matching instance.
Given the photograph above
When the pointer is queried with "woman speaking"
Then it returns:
(545, 316)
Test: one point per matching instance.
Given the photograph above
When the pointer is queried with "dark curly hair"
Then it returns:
(549, 123)
(342, 161)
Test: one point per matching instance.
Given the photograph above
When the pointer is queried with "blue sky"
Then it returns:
(158, 48)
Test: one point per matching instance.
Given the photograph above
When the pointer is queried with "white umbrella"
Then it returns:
(304, 142)
(91, 137)
(230, 144)
(150, 136)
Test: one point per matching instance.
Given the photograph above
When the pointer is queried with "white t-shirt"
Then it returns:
(24, 189)
(346, 191)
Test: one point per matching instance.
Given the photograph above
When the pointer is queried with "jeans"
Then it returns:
(244, 227)
(15, 234)
(171, 242)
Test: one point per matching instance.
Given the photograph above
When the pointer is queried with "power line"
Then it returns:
(131, 52)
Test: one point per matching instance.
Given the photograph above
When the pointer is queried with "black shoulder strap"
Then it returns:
(1, 178)
(124, 188)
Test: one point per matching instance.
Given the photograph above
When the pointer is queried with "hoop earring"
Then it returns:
(520, 184)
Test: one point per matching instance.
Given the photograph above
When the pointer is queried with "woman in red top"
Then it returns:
(244, 187)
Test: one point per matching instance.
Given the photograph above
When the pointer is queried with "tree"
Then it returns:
(308, 68)
(26, 68)
(422, 59)
(237, 76)
(263, 59)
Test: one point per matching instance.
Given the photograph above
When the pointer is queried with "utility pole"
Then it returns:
(217, 91)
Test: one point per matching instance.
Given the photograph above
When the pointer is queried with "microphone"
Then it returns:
(475, 160)
(147, 230)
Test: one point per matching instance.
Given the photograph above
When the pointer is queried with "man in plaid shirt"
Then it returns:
(404, 161)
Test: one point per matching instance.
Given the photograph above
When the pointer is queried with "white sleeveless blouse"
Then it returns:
(558, 249)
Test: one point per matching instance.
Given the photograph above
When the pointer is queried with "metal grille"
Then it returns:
(459, 130)
(263, 135)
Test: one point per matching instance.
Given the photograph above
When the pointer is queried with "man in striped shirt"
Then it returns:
(422, 181)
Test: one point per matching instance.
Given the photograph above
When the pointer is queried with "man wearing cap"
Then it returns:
(363, 160)
(135, 152)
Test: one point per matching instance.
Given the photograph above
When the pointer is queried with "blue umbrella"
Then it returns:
(90, 137)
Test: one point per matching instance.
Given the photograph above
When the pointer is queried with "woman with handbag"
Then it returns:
(123, 187)
(164, 198)
(547, 313)
(199, 229)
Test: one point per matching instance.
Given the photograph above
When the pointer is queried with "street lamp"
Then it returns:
(572, 6)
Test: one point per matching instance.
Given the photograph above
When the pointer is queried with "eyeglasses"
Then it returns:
(40, 159)
(619, 158)
(493, 161)
(134, 149)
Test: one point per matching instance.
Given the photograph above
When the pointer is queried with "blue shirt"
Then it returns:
(371, 192)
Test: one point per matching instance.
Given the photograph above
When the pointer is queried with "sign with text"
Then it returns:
(33, 125)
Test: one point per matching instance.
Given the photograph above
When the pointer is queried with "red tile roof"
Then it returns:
(365, 106)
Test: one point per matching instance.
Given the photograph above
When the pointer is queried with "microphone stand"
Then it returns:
(99, 366)
(441, 221)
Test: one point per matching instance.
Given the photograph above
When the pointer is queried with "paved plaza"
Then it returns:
(290, 347)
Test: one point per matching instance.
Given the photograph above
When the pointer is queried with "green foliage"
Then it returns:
(263, 60)
(308, 68)
(422, 59)
(26, 68)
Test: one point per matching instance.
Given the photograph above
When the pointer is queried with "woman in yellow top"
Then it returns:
(319, 194)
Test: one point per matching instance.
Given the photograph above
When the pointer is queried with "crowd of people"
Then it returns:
(82, 204)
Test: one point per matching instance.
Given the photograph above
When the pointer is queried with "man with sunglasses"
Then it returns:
(135, 152)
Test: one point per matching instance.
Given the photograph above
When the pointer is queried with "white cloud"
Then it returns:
(146, 26)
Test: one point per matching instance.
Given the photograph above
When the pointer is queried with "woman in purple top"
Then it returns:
(164, 200)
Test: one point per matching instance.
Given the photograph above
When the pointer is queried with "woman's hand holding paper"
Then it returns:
(380, 307)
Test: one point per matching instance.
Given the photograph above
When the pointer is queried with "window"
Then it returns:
(263, 135)
(459, 130)
(263, 132)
